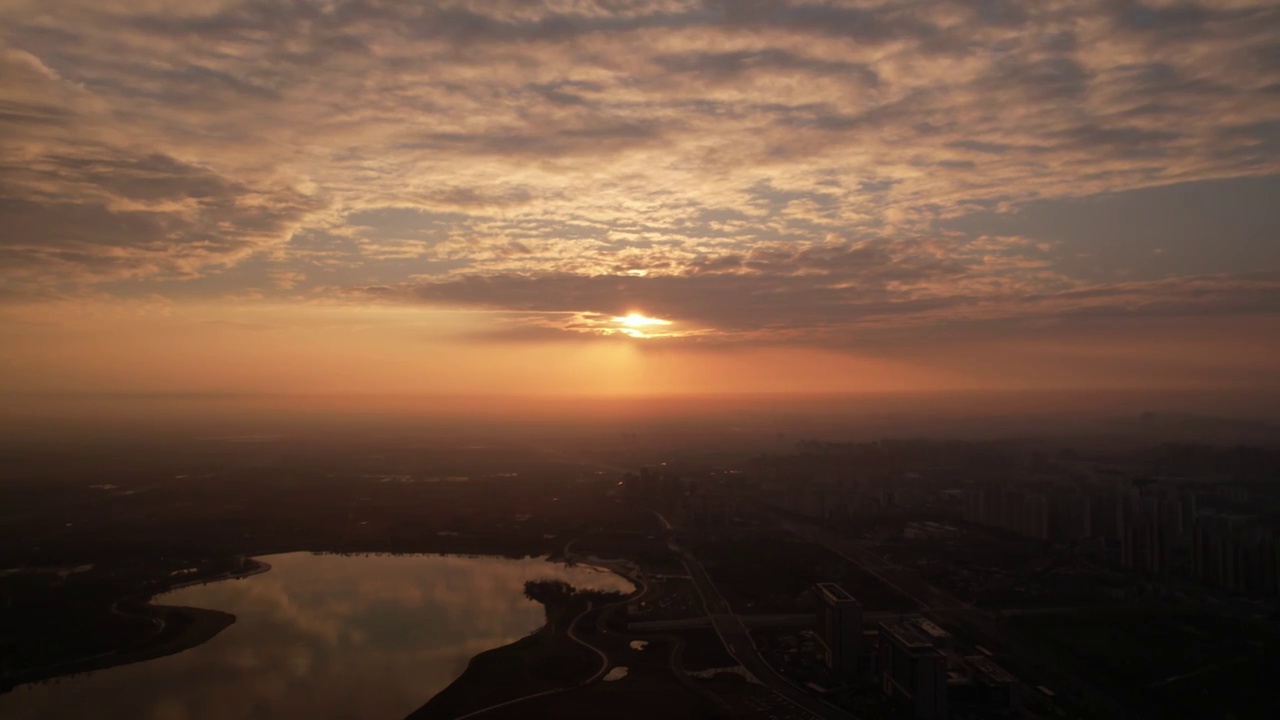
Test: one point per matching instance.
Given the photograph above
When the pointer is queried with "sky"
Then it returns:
(616, 197)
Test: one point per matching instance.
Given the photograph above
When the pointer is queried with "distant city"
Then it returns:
(739, 573)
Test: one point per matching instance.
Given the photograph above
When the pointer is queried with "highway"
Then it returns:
(900, 579)
(934, 603)
(951, 612)
(754, 621)
(737, 640)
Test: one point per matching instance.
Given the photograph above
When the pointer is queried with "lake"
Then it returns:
(321, 636)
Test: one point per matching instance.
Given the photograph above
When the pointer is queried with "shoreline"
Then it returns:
(259, 567)
(177, 628)
(180, 628)
(551, 659)
(196, 626)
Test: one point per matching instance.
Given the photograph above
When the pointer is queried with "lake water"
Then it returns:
(320, 636)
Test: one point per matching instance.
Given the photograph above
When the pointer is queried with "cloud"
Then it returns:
(108, 217)
(750, 168)
(732, 66)
(838, 292)
(287, 279)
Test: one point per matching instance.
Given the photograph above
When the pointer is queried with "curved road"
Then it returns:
(604, 659)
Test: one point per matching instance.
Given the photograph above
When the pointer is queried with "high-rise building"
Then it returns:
(940, 638)
(1034, 520)
(1104, 516)
(1255, 549)
(1043, 512)
(1223, 559)
(1204, 556)
(1200, 559)
(1011, 506)
(1236, 554)
(1271, 556)
(840, 620)
(987, 686)
(1126, 507)
(1069, 516)
(1143, 544)
(913, 672)
(1171, 517)
(1187, 503)
(975, 506)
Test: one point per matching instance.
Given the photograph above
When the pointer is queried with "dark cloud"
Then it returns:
(801, 309)
(813, 286)
(136, 216)
(981, 147)
(153, 177)
(1054, 79)
(15, 113)
(1180, 20)
(728, 66)
(1255, 139)
(864, 24)
(727, 302)
(1151, 80)
(1000, 13)
(602, 137)
(567, 92)
(1123, 140)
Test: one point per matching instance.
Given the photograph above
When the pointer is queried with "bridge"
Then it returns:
(799, 620)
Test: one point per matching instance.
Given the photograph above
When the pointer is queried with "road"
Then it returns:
(800, 620)
(949, 611)
(737, 640)
(898, 578)
(642, 588)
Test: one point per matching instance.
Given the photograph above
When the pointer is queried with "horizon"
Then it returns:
(624, 199)
(1209, 418)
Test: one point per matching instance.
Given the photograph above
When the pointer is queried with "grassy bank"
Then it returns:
(546, 660)
(183, 628)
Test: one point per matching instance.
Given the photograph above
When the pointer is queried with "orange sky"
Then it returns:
(344, 350)
(805, 196)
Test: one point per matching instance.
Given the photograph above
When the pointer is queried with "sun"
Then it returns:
(637, 326)
(636, 320)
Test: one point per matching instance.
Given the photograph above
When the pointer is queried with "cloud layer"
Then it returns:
(787, 171)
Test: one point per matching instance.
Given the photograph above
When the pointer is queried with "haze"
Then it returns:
(603, 199)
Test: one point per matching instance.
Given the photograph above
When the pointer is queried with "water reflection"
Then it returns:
(321, 637)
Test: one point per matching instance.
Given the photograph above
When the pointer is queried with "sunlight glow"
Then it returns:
(635, 320)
